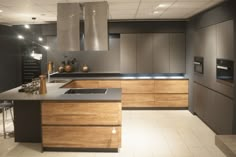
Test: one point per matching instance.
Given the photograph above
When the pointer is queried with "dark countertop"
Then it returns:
(54, 92)
(115, 76)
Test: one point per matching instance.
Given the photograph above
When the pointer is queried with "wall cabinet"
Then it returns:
(177, 53)
(128, 53)
(214, 108)
(144, 53)
(153, 53)
(161, 55)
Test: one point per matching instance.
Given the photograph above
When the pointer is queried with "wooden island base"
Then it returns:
(85, 125)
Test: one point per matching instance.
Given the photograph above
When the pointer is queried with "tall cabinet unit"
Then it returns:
(128, 53)
(225, 40)
(144, 53)
(213, 98)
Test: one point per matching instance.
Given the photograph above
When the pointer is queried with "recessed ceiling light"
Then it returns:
(46, 47)
(27, 26)
(1, 11)
(40, 39)
(20, 36)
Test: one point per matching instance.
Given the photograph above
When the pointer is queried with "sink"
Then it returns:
(58, 81)
(87, 91)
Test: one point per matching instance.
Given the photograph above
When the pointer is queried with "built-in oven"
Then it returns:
(198, 65)
(225, 70)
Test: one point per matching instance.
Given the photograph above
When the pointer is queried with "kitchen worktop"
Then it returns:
(54, 92)
(114, 76)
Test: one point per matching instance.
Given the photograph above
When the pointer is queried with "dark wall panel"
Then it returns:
(10, 60)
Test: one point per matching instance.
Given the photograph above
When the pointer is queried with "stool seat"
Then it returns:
(6, 104)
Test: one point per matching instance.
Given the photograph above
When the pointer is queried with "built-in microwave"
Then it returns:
(198, 65)
(225, 70)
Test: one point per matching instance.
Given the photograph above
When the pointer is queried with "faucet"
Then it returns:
(50, 74)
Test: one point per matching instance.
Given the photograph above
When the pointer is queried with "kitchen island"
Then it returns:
(58, 120)
(61, 120)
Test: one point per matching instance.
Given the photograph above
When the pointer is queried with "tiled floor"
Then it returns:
(156, 133)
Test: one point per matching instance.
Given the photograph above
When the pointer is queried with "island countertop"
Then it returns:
(55, 92)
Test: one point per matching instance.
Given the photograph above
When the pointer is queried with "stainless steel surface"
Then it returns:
(95, 26)
(221, 67)
(68, 26)
(197, 63)
(87, 91)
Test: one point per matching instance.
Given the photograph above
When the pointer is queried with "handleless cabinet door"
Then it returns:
(225, 40)
(144, 53)
(177, 53)
(161, 57)
(128, 53)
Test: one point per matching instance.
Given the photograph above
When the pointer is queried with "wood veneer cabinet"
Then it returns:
(154, 93)
(81, 124)
(81, 137)
(171, 86)
(143, 93)
(137, 86)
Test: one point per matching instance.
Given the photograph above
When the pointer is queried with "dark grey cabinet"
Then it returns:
(206, 48)
(152, 53)
(128, 53)
(177, 53)
(161, 55)
(225, 40)
(215, 109)
(144, 53)
(200, 100)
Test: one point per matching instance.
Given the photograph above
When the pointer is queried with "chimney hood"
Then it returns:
(68, 26)
(95, 16)
(95, 26)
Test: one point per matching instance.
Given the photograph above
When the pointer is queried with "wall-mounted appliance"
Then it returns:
(225, 70)
(198, 65)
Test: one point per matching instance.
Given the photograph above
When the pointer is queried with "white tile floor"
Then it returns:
(155, 133)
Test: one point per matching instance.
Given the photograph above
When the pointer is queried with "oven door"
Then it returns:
(198, 65)
(225, 70)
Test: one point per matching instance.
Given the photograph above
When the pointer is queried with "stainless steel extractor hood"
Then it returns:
(68, 26)
(95, 26)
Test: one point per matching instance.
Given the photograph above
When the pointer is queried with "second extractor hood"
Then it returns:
(95, 26)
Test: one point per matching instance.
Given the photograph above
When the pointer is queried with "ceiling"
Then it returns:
(21, 11)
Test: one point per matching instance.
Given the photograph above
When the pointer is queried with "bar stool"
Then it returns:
(4, 106)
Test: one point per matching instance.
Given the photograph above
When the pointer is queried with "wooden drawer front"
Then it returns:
(81, 137)
(138, 100)
(74, 113)
(109, 84)
(171, 100)
(82, 84)
(137, 86)
(171, 86)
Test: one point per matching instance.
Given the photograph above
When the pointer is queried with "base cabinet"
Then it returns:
(81, 137)
(143, 93)
(71, 124)
(215, 109)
